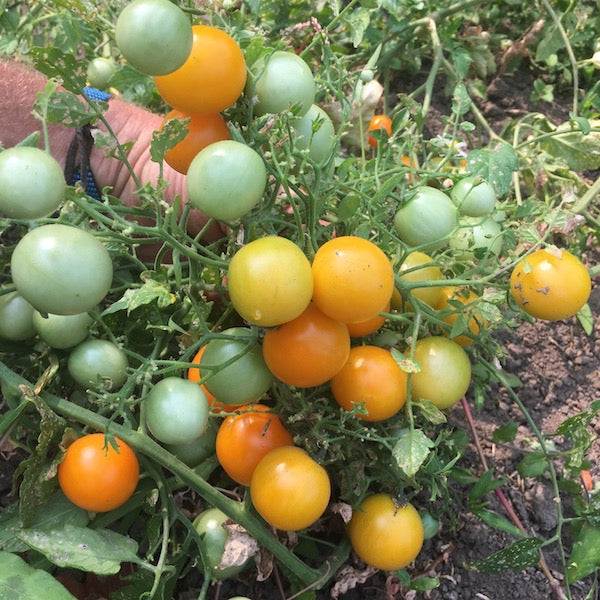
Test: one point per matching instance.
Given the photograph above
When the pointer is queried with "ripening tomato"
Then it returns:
(550, 284)
(369, 326)
(417, 267)
(353, 279)
(270, 281)
(467, 305)
(211, 79)
(385, 534)
(445, 372)
(244, 438)
(371, 377)
(377, 123)
(97, 477)
(289, 489)
(308, 350)
(203, 130)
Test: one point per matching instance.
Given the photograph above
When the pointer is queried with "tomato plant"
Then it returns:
(176, 410)
(62, 331)
(244, 438)
(376, 124)
(61, 269)
(98, 364)
(212, 77)
(308, 350)
(203, 130)
(427, 218)
(235, 363)
(209, 524)
(467, 305)
(384, 533)
(226, 180)
(32, 184)
(16, 318)
(289, 489)
(353, 279)
(155, 36)
(550, 284)
(417, 267)
(445, 372)
(280, 80)
(473, 196)
(270, 281)
(314, 132)
(97, 476)
(371, 378)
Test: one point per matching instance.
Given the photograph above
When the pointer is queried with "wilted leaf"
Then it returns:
(411, 450)
(495, 164)
(348, 578)
(585, 557)
(240, 547)
(578, 150)
(151, 291)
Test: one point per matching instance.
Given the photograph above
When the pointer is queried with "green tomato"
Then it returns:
(226, 180)
(155, 36)
(61, 269)
(62, 331)
(100, 71)
(474, 197)
(314, 132)
(426, 219)
(16, 318)
(98, 365)
(195, 451)
(431, 525)
(246, 378)
(475, 234)
(445, 372)
(209, 524)
(280, 80)
(176, 411)
(32, 184)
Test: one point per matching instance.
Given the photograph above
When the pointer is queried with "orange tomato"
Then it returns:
(211, 79)
(364, 328)
(416, 267)
(308, 350)
(371, 377)
(377, 123)
(95, 476)
(202, 131)
(243, 439)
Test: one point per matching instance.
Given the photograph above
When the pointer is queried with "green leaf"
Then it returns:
(532, 465)
(98, 551)
(151, 291)
(69, 110)
(166, 138)
(431, 412)
(461, 103)
(462, 61)
(506, 432)
(583, 123)
(19, 581)
(411, 449)
(422, 584)
(358, 22)
(519, 556)
(586, 319)
(66, 68)
(549, 44)
(485, 484)
(32, 140)
(579, 151)
(10, 416)
(585, 556)
(493, 519)
(348, 207)
(496, 165)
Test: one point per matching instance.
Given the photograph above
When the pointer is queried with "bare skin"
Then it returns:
(130, 123)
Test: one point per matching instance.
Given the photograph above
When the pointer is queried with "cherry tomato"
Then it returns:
(416, 267)
(16, 318)
(384, 534)
(98, 364)
(246, 377)
(314, 132)
(371, 377)
(155, 36)
(95, 476)
(211, 79)
(280, 80)
(445, 372)
(32, 184)
(427, 218)
(289, 489)
(364, 328)
(62, 331)
(176, 411)
(244, 438)
(353, 279)
(226, 180)
(468, 306)
(550, 284)
(270, 281)
(197, 450)
(209, 524)
(377, 123)
(477, 234)
(307, 351)
(203, 130)
(100, 71)
(473, 196)
(61, 269)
